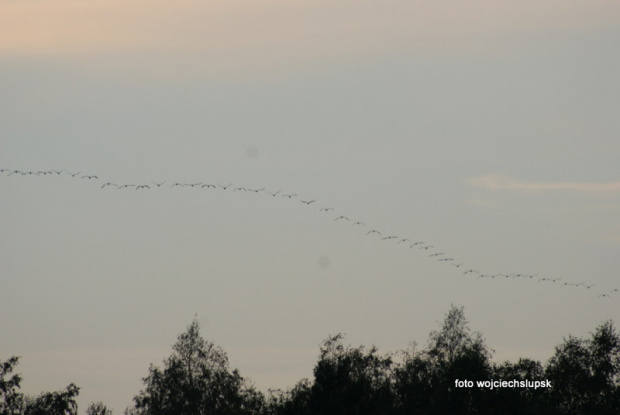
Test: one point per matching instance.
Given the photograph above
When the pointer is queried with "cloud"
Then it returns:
(500, 182)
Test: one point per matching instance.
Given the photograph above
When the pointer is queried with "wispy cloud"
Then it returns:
(500, 182)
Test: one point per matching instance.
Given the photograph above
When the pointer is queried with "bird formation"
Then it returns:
(440, 257)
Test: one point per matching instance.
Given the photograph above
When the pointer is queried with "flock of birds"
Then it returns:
(431, 251)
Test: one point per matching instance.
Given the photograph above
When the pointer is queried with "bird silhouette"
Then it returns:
(420, 244)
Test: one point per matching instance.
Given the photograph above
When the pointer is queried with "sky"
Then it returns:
(488, 130)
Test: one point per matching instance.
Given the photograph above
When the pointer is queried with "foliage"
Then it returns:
(586, 374)
(12, 402)
(518, 401)
(196, 380)
(10, 398)
(54, 403)
(425, 382)
(350, 380)
(98, 408)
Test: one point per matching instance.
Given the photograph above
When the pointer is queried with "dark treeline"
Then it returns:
(196, 379)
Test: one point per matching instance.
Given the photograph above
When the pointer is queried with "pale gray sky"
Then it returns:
(488, 130)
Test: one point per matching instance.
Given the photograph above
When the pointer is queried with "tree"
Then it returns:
(196, 380)
(294, 401)
(350, 380)
(425, 382)
(54, 403)
(10, 398)
(98, 408)
(519, 401)
(585, 374)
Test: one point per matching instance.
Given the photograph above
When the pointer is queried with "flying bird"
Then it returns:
(341, 217)
(307, 202)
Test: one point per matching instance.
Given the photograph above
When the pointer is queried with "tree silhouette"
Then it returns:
(350, 380)
(54, 403)
(10, 398)
(98, 408)
(585, 374)
(294, 401)
(196, 380)
(425, 382)
(519, 401)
